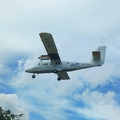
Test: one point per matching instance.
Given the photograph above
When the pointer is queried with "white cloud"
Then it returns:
(95, 97)
(98, 76)
(98, 105)
(51, 95)
(85, 23)
(11, 102)
(101, 111)
(3, 69)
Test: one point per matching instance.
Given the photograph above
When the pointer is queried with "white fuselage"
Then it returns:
(48, 67)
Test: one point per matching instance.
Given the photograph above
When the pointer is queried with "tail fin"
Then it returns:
(99, 55)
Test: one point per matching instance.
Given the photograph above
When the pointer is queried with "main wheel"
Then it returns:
(59, 78)
(55, 71)
(33, 76)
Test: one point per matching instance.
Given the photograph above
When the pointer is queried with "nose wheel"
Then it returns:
(33, 76)
(59, 78)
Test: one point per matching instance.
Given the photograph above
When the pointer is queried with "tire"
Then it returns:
(33, 76)
(59, 78)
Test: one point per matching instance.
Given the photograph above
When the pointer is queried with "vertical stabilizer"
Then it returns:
(99, 55)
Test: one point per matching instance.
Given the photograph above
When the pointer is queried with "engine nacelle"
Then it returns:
(44, 57)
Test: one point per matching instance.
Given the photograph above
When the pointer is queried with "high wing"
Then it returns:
(50, 46)
(52, 51)
(63, 75)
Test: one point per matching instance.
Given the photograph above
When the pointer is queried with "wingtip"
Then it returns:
(42, 33)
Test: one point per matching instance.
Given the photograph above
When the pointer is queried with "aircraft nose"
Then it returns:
(28, 70)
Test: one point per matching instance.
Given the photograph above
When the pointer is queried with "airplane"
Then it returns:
(53, 64)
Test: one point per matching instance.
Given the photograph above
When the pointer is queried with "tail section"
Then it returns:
(99, 55)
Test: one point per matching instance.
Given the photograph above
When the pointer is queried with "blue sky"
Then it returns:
(78, 27)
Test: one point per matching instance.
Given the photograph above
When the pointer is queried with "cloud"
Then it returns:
(51, 99)
(98, 76)
(11, 102)
(98, 97)
(85, 23)
(3, 69)
(98, 105)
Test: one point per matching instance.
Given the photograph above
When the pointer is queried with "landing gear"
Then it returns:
(55, 71)
(33, 76)
(59, 78)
